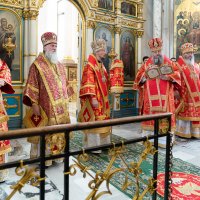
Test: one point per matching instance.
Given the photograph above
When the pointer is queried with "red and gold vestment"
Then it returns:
(189, 106)
(156, 95)
(94, 84)
(48, 87)
(7, 88)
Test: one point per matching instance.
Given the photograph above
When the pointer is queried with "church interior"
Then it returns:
(126, 27)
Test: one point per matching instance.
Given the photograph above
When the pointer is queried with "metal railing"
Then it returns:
(67, 128)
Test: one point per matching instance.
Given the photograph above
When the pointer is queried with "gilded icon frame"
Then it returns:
(15, 22)
(128, 47)
(72, 73)
(107, 33)
(103, 4)
(129, 10)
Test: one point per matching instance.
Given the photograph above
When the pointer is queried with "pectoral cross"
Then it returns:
(103, 78)
(193, 75)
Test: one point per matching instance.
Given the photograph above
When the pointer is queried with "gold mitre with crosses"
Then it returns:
(155, 44)
(97, 45)
(188, 47)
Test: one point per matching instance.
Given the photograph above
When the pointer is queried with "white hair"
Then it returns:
(189, 61)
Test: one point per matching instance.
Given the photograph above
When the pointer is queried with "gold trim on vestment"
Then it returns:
(88, 85)
(86, 105)
(151, 128)
(6, 150)
(188, 118)
(189, 89)
(4, 118)
(33, 88)
(195, 125)
(105, 98)
(88, 93)
(28, 123)
(106, 110)
(55, 103)
(155, 97)
(32, 100)
(102, 130)
(188, 135)
(180, 107)
(158, 97)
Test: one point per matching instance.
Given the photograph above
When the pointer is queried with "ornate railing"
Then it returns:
(29, 174)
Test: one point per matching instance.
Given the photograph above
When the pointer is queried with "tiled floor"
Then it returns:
(185, 149)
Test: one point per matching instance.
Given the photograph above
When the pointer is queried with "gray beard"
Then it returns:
(52, 57)
(189, 62)
(158, 60)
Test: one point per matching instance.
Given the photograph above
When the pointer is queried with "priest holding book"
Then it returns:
(159, 76)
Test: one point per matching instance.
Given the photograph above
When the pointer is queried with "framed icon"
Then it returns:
(127, 54)
(11, 27)
(106, 4)
(104, 32)
(129, 8)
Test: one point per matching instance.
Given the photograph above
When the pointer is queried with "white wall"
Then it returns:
(60, 17)
(148, 27)
(47, 20)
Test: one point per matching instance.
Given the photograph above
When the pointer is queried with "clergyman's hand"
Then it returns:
(2, 83)
(95, 103)
(143, 79)
(36, 109)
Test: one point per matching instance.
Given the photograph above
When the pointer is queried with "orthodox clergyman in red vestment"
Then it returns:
(47, 91)
(188, 109)
(158, 77)
(5, 86)
(94, 95)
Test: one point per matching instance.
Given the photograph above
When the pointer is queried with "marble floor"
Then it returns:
(185, 149)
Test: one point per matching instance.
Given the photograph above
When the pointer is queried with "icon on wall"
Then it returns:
(10, 42)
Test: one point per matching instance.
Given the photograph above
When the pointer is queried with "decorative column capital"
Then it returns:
(33, 3)
(138, 34)
(95, 3)
(91, 24)
(117, 29)
(30, 14)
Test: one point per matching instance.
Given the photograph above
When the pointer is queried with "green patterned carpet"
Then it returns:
(100, 162)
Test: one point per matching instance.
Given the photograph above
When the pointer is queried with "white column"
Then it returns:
(117, 44)
(26, 49)
(32, 45)
(171, 28)
(139, 47)
(89, 40)
(157, 18)
(167, 19)
(33, 41)
(148, 14)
